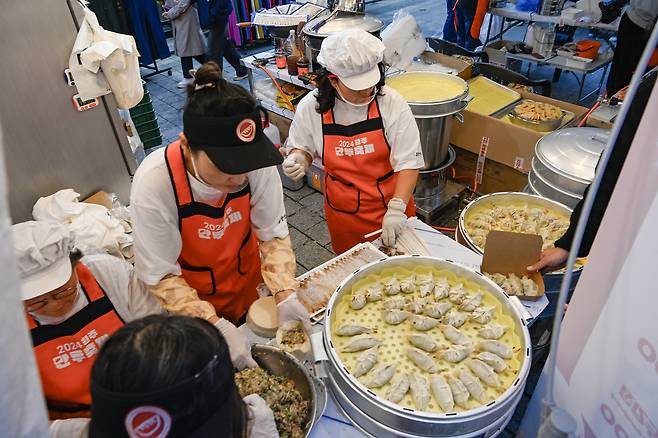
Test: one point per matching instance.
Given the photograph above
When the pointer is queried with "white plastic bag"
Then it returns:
(92, 225)
(403, 40)
(102, 61)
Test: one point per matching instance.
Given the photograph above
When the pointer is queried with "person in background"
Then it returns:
(219, 44)
(72, 304)
(459, 21)
(208, 213)
(555, 258)
(367, 138)
(634, 30)
(171, 377)
(189, 42)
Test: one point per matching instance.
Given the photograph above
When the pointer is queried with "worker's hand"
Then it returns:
(551, 259)
(295, 166)
(394, 220)
(261, 418)
(238, 345)
(291, 309)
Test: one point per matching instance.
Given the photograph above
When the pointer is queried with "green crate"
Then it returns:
(147, 126)
(149, 134)
(143, 118)
(156, 141)
(142, 108)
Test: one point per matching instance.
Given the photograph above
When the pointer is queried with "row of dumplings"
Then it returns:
(514, 285)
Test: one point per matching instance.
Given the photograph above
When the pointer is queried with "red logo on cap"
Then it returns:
(148, 422)
(246, 130)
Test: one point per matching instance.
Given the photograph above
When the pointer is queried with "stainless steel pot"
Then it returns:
(280, 363)
(381, 418)
(547, 190)
(434, 120)
(431, 182)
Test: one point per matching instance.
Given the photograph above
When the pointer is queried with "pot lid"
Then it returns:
(343, 20)
(574, 152)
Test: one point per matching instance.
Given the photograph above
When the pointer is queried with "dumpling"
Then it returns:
(455, 335)
(424, 342)
(392, 303)
(353, 330)
(422, 360)
(360, 344)
(374, 292)
(416, 305)
(515, 284)
(472, 384)
(419, 391)
(425, 284)
(380, 376)
(442, 393)
(398, 389)
(366, 360)
(392, 286)
(457, 294)
(456, 353)
(530, 288)
(497, 278)
(358, 301)
(496, 347)
(471, 302)
(483, 315)
(423, 323)
(459, 392)
(395, 317)
(408, 284)
(494, 361)
(455, 319)
(437, 310)
(484, 372)
(492, 331)
(441, 289)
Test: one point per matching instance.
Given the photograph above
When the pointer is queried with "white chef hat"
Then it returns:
(42, 251)
(353, 55)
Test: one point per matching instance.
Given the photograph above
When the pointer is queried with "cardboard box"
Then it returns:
(496, 177)
(503, 142)
(510, 253)
(464, 69)
(496, 53)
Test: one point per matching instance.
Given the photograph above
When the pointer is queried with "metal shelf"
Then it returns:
(281, 74)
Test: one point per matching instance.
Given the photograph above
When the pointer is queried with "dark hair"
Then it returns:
(158, 352)
(327, 94)
(212, 95)
(75, 256)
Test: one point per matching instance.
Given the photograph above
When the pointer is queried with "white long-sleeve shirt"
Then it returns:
(399, 126)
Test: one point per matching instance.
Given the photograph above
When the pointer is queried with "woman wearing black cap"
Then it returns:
(209, 219)
(168, 376)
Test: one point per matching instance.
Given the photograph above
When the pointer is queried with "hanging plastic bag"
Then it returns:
(403, 40)
(102, 62)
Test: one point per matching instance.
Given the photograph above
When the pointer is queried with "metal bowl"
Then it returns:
(279, 363)
(536, 125)
(381, 418)
(548, 190)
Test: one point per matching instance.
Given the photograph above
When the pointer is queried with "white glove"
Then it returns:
(261, 418)
(238, 345)
(295, 166)
(394, 220)
(291, 309)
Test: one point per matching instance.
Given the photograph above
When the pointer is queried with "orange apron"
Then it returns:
(65, 352)
(220, 256)
(358, 178)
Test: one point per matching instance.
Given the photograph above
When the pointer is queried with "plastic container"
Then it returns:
(143, 118)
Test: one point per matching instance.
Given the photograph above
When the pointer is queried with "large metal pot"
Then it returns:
(280, 363)
(434, 119)
(381, 418)
(541, 187)
(431, 182)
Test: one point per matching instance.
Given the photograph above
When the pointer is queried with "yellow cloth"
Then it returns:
(180, 299)
(278, 264)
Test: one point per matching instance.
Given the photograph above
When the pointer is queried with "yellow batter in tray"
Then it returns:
(423, 87)
(394, 340)
(489, 96)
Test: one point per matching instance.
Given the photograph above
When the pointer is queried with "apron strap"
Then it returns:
(178, 174)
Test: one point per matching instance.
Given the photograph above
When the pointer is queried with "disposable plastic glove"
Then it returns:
(238, 345)
(261, 418)
(295, 166)
(394, 220)
(291, 309)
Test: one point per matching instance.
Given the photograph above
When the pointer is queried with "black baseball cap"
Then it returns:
(235, 144)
